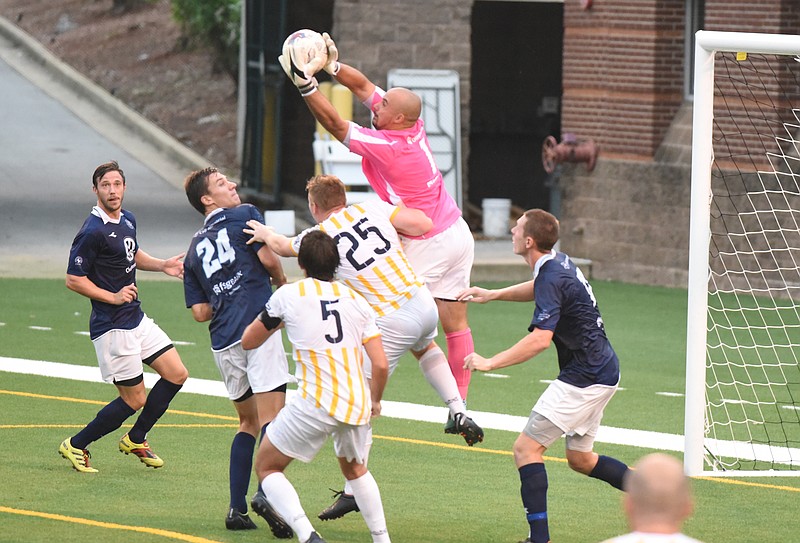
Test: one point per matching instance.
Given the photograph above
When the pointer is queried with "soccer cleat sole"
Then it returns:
(277, 525)
(466, 428)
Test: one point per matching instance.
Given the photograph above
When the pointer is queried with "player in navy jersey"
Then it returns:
(102, 266)
(227, 282)
(566, 314)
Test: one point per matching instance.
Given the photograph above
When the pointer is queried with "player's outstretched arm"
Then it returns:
(411, 222)
(345, 74)
(525, 349)
(380, 372)
(361, 87)
(258, 331)
(327, 115)
(273, 265)
(476, 295)
(172, 266)
(262, 233)
(521, 292)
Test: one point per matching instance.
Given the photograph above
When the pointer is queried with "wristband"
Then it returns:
(309, 88)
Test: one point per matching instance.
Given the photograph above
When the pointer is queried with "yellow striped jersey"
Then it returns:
(372, 260)
(327, 324)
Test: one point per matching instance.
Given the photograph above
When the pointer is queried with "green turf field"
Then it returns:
(434, 489)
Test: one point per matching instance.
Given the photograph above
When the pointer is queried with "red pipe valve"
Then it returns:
(569, 150)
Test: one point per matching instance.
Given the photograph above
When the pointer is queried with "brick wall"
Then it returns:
(376, 36)
(623, 77)
(623, 86)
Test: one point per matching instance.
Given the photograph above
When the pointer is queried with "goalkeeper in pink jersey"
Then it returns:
(398, 162)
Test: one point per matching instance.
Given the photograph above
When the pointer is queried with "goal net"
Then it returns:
(743, 329)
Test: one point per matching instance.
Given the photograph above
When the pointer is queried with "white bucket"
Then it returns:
(496, 213)
(282, 220)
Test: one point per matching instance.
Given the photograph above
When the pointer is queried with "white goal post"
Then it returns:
(743, 323)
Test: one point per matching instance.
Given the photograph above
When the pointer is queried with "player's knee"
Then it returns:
(249, 425)
(526, 451)
(580, 461)
(179, 374)
(135, 401)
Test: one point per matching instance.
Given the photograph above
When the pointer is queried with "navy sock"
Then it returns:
(107, 420)
(155, 406)
(261, 435)
(534, 498)
(241, 465)
(610, 470)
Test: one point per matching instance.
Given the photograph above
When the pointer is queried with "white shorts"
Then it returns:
(120, 352)
(261, 370)
(443, 261)
(300, 430)
(410, 328)
(575, 411)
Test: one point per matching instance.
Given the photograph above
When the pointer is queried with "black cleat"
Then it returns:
(263, 509)
(450, 425)
(466, 428)
(238, 521)
(315, 538)
(345, 503)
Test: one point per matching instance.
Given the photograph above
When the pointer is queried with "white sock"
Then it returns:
(368, 498)
(348, 488)
(282, 496)
(437, 371)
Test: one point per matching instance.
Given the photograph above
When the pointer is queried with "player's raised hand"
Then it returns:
(126, 294)
(332, 66)
(260, 232)
(305, 84)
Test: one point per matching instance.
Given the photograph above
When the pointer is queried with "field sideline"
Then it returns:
(392, 409)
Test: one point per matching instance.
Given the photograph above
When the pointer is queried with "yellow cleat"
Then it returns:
(78, 457)
(142, 450)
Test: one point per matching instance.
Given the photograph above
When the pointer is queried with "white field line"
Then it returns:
(399, 410)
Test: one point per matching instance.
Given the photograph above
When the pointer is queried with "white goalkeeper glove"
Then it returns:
(307, 85)
(332, 66)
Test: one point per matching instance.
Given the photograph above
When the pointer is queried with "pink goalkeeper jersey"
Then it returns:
(400, 168)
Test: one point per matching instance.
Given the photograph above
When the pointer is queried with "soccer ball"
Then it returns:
(307, 52)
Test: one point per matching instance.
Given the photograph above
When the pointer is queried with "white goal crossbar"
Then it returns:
(702, 447)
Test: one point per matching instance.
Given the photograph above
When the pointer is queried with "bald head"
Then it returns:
(658, 495)
(400, 109)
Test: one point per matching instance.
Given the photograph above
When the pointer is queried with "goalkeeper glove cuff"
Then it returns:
(308, 88)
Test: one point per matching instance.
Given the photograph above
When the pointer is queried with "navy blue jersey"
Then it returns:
(104, 251)
(566, 306)
(221, 269)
